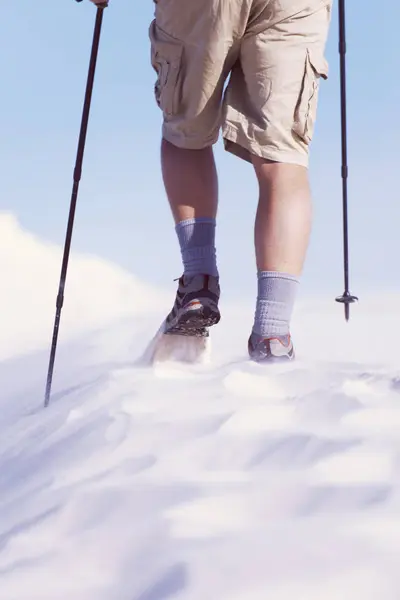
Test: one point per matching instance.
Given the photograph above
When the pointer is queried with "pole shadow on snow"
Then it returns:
(65, 393)
(83, 386)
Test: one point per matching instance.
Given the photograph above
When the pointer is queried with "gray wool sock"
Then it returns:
(275, 302)
(197, 241)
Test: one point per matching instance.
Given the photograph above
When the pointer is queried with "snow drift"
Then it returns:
(225, 481)
(30, 269)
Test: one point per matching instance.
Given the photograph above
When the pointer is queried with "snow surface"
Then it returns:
(216, 481)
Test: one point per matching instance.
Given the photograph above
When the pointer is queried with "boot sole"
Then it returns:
(195, 322)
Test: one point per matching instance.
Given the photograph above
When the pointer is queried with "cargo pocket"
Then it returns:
(306, 108)
(166, 59)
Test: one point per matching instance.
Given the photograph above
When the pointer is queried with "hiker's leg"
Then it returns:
(191, 183)
(283, 219)
(193, 50)
(270, 117)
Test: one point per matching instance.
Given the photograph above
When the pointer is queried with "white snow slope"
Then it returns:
(224, 481)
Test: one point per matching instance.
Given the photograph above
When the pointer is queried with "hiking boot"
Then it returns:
(196, 306)
(274, 349)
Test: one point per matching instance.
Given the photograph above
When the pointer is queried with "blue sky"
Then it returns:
(122, 211)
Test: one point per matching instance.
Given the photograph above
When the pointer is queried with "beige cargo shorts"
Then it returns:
(251, 68)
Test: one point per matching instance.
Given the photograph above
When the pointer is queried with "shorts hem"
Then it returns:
(236, 143)
(180, 141)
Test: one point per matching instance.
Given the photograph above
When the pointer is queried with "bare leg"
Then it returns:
(282, 231)
(284, 214)
(191, 182)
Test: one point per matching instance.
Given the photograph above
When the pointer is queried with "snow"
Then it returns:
(222, 480)
(30, 270)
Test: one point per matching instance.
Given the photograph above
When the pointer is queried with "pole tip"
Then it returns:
(347, 299)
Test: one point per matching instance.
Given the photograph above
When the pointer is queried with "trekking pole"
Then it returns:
(74, 196)
(346, 298)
